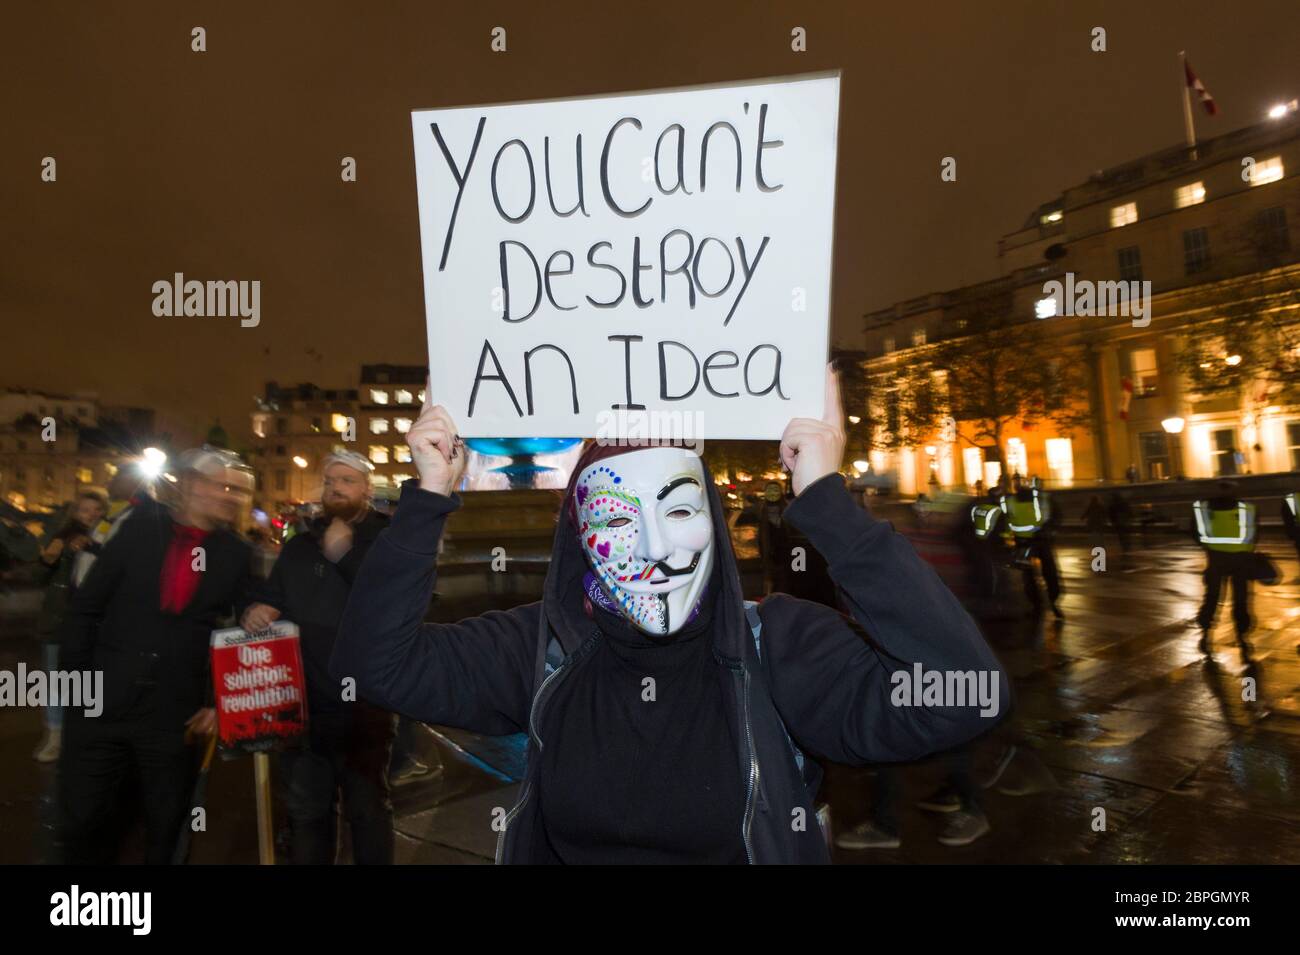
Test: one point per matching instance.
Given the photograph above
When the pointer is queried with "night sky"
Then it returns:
(225, 164)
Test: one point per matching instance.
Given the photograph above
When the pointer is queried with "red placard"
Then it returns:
(261, 693)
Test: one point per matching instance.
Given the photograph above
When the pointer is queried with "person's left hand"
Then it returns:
(203, 723)
(337, 541)
(813, 448)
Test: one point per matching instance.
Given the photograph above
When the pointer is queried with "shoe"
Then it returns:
(964, 827)
(868, 835)
(409, 769)
(50, 747)
(943, 799)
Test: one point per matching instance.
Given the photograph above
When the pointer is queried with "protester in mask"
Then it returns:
(58, 555)
(143, 618)
(663, 713)
(349, 740)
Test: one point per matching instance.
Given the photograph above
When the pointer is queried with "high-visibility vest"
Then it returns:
(1231, 530)
(1026, 518)
(985, 518)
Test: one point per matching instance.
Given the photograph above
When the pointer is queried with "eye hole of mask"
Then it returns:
(681, 513)
(619, 522)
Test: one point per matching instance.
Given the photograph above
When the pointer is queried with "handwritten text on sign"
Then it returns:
(664, 251)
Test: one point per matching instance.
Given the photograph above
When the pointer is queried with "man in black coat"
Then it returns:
(349, 741)
(144, 617)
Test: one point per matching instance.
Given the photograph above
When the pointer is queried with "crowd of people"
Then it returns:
(643, 586)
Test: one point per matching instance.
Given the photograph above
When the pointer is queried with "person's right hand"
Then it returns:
(258, 617)
(436, 449)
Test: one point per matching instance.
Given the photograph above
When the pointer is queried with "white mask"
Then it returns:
(645, 526)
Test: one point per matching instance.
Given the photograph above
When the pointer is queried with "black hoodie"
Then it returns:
(819, 678)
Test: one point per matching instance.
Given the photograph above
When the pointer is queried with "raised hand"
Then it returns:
(812, 448)
(436, 448)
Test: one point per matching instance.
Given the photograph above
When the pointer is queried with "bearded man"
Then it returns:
(348, 743)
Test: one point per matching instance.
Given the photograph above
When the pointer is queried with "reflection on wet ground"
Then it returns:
(1192, 759)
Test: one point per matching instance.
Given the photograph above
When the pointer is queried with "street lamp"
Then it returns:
(151, 462)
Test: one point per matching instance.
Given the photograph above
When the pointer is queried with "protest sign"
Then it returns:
(261, 695)
(663, 256)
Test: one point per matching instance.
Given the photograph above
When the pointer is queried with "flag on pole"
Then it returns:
(1194, 83)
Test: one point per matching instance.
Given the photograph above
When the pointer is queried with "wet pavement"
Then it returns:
(1131, 721)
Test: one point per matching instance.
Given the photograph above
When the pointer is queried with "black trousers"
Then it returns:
(1041, 548)
(1220, 565)
(98, 755)
(346, 753)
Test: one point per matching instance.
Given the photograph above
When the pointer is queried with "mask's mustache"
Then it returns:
(668, 571)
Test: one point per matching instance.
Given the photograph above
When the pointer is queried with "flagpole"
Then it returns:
(1188, 125)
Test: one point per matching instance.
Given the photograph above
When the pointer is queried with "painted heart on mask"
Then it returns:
(603, 548)
(591, 541)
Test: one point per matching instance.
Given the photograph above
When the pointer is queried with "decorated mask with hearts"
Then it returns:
(645, 526)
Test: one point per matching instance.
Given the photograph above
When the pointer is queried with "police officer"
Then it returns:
(1028, 518)
(1225, 527)
(988, 526)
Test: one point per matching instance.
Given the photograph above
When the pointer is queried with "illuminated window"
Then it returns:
(1017, 460)
(379, 426)
(379, 480)
(889, 346)
(379, 454)
(1051, 218)
(918, 337)
(339, 422)
(419, 396)
(84, 476)
(973, 464)
(378, 397)
(399, 478)
(259, 425)
(1293, 443)
(1123, 215)
(401, 454)
(1060, 460)
(402, 425)
(1266, 171)
(402, 396)
(1224, 452)
(1045, 307)
(1189, 195)
(1145, 372)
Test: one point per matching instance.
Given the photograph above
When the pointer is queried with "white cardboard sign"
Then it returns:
(667, 252)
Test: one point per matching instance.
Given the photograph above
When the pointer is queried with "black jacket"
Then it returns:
(155, 664)
(818, 677)
(311, 591)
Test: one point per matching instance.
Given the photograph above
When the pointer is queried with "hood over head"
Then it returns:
(631, 587)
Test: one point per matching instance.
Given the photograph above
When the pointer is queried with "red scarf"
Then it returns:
(179, 578)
